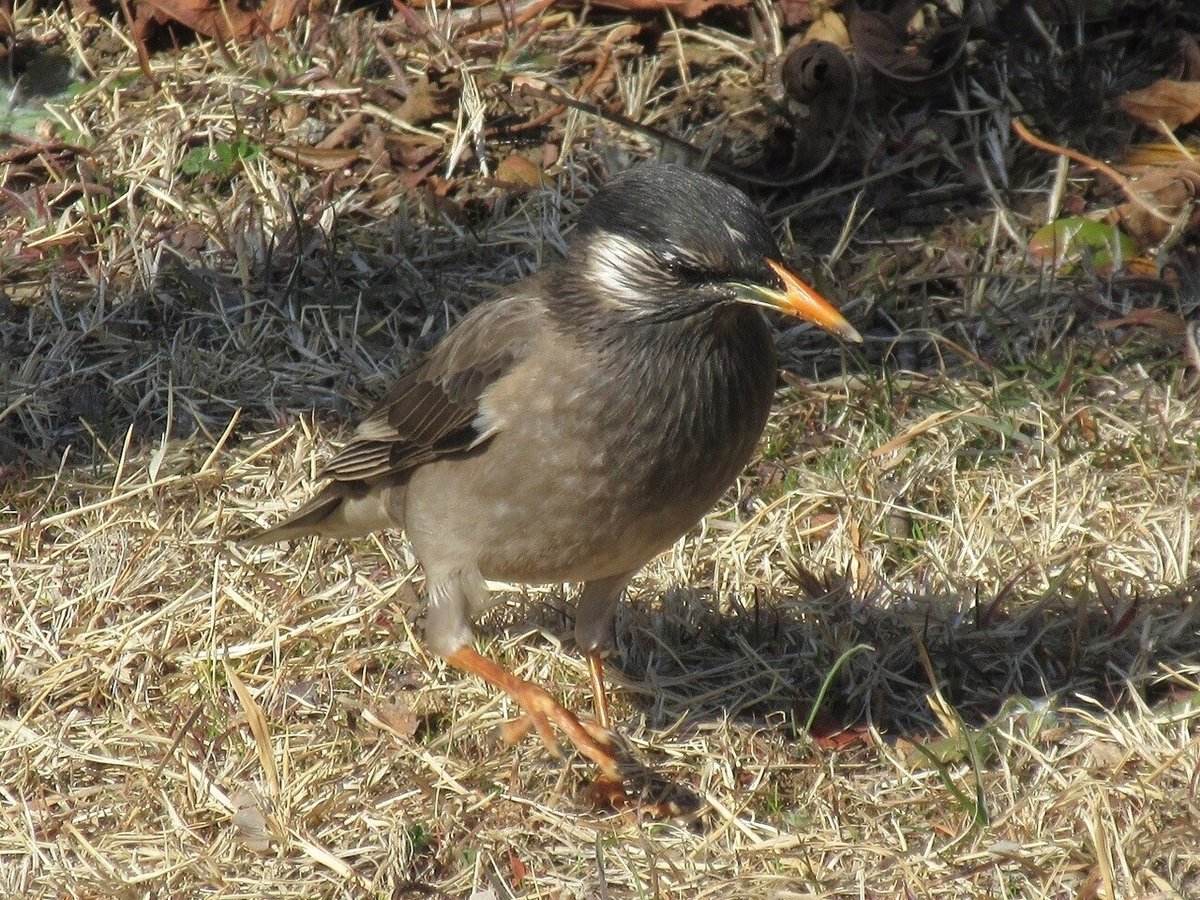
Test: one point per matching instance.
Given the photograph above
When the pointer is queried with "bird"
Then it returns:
(577, 424)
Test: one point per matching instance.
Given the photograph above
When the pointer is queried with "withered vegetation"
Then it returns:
(942, 640)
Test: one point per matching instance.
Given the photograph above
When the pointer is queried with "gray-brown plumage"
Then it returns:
(574, 427)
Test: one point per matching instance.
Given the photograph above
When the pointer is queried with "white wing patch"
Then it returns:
(487, 422)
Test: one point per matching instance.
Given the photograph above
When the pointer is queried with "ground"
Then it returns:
(941, 640)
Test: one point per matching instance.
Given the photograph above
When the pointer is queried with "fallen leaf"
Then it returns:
(250, 821)
(1159, 319)
(910, 43)
(397, 718)
(1106, 756)
(1160, 153)
(1173, 103)
(519, 869)
(214, 19)
(929, 422)
(831, 27)
(519, 172)
(257, 720)
(687, 9)
(1171, 188)
(794, 13)
(330, 160)
(433, 96)
(1067, 242)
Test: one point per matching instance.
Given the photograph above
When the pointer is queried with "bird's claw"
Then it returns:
(593, 741)
(518, 729)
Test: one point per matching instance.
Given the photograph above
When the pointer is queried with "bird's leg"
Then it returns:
(599, 693)
(593, 625)
(540, 709)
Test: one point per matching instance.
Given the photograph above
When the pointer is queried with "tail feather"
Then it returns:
(341, 510)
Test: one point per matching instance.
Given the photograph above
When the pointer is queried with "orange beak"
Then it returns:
(799, 300)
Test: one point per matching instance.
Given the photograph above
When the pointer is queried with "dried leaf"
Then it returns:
(1160, 153)
(931, 421)
(1159, 319)
(1169, 188)
(397, 718)
(250, 821)
(831, 733)
(257, 721)
(517, 171)
(433, 97)
(829, 26)
(331, 160)
(794, 13)
(909, 44)
(687, 9)
(215, 19)
(519, 869)
(1105, 755)
(1174, 103)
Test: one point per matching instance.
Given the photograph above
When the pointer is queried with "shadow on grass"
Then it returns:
(764, 662)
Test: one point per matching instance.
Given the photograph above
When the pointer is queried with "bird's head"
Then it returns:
(661, 242)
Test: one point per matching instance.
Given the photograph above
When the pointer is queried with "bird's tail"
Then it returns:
(341, 510)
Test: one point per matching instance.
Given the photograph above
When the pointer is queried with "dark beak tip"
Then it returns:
(850, 333)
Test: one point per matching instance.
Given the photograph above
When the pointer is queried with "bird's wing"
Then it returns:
(434, 409)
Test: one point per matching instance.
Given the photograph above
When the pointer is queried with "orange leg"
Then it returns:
(606, 792)
(540, 709)
(599, 693)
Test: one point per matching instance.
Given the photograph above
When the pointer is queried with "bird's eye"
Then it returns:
(682, 268)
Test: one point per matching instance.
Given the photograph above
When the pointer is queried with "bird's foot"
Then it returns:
(519, 728)
(645, 797)
(541, 710)
(609, 793)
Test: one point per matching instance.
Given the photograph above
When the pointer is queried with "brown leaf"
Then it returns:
(518, 172)
(519, 869)
(257, 721)
(326, 160)
(434, 95)
(1159, 153)
(840, 740)
(794, 13)
(1169, 188)
(687, 9)
(1159, 319)
(829, 26)
(397, 718)
(215, 19)
(343, 133)
(1174, 103)
(250, 821)
(909, 44)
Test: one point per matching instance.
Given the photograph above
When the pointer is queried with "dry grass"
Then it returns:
(997, 506)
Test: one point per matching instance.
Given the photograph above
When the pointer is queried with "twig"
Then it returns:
(694, 154)
(593, 79)
(1084, 160)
